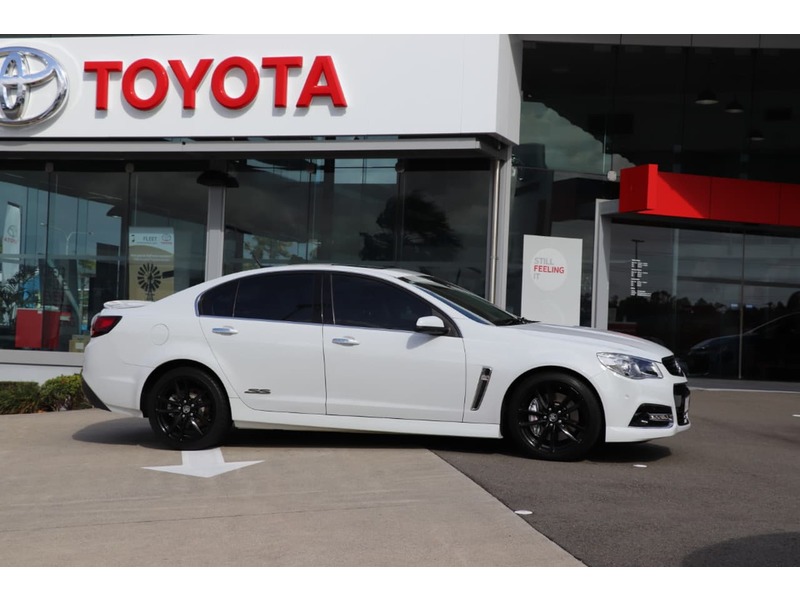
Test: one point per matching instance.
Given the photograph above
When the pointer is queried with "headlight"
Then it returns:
(629, 366)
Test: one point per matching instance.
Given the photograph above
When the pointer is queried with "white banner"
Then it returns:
(551, 279)
(11, 233)
(266, 85)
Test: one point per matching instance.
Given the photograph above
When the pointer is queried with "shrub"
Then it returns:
(63, 393)
(59, 393)
(17, 397)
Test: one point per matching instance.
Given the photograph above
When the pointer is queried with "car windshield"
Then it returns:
(468, 304)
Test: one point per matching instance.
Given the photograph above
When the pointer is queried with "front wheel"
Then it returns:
(188, 409)
(554, 416)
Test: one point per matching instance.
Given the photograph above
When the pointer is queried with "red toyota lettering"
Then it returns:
(281, 64)
(322, 81)
(129, 84)
(103, 68)
(251, 83)
(322, 67)
(190, 83)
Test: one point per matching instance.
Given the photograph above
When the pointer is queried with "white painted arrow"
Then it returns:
(204, 463)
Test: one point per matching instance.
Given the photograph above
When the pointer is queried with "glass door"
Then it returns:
(727, 303)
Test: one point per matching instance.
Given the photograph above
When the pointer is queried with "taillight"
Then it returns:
(102, 324)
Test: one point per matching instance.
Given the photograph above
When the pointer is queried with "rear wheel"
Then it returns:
(554, 416)
(188, 409)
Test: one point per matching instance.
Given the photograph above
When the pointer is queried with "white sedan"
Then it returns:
(323, 347)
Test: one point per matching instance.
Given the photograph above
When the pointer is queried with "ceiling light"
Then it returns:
(734, 108)
(756, 135)
(706, 98)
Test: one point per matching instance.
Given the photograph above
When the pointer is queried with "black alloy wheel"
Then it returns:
(189, 410)
(554, 416)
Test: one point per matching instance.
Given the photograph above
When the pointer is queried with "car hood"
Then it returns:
(717, 342)
(601, 340)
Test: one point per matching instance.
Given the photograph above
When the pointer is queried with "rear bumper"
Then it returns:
(92, 397)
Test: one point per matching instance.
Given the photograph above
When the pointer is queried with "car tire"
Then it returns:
(554, 416)
(189, 410)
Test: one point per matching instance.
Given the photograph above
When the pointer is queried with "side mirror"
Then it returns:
(431, 325)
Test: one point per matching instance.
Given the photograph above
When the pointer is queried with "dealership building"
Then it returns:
(641, 183)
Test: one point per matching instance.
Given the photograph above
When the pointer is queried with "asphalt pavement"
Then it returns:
(723, 494)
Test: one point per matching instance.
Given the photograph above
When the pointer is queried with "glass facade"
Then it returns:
(726, 301)
(92, 232)
(77, 234)
(720, 295)
(428, 215)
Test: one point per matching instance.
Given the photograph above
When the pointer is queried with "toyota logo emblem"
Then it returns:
(23, 70)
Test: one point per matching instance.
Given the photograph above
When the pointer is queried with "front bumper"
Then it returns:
(657, 416)
(644, 409)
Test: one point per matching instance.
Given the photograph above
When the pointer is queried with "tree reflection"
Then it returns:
(412, 228)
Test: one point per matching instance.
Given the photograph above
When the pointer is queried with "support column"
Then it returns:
(604, 210)
(215, 232)
(497, 246)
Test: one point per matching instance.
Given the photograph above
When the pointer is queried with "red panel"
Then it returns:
(789, 205)
(644, 190)
(37, 328)
(634, 188)
(684, 196)
(744, 201)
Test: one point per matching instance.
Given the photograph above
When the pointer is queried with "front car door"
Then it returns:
(376, 365)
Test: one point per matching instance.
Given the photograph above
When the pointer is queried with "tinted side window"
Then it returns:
(364, 302)
(218, 301)
(278, 297)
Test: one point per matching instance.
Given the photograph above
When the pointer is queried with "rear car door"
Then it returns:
(266, 332)
(376, 365)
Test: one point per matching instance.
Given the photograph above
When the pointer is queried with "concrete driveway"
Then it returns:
(88, 488)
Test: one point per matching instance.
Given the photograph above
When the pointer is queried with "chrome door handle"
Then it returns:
(225, 331)
(346, 341)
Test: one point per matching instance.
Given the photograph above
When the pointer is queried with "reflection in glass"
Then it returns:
(726, 302)
(427, 215)
(72, 250)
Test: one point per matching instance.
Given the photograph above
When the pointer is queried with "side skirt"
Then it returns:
(305, 422)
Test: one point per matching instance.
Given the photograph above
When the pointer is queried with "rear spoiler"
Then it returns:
(118, 304)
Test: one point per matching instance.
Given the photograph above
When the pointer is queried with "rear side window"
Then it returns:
(271, 297)
(218, 301)
(283, 297)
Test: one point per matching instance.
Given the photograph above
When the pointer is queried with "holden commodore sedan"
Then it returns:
(327, 347)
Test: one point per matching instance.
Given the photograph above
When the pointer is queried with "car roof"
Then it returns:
(382, 272)
(388, 271)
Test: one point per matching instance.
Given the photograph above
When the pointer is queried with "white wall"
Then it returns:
(37, 373)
